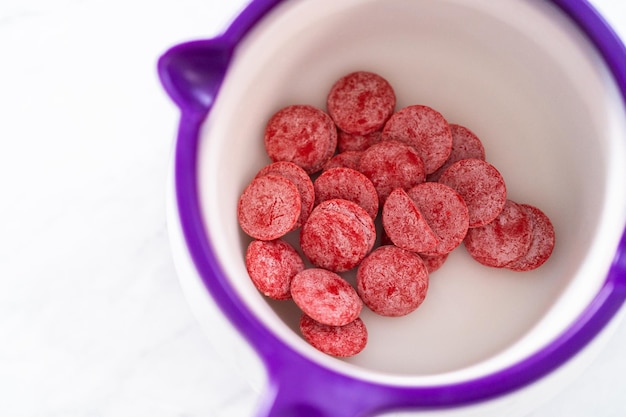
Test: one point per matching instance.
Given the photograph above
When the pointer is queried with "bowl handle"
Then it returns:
(192, 73)
(298, 388)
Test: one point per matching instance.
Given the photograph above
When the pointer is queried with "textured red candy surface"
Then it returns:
(347, 184)
(361, 102)
(543, 240)
(506, 239)
(482, 187)
(269, 207)
(391, 164)
(423, 128)
(445, 212)
(433, 263)
(337, 235)
(340, 341)
(347, 159)
(302, 134)
(465, 145)
(350, 142)
(405, 225)
(272, 265)
(392, 281)
(326, 297)
(300, 179)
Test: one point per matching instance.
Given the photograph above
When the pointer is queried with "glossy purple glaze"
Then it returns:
(192, 74)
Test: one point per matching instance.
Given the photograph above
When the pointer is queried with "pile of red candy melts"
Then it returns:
(337, 174)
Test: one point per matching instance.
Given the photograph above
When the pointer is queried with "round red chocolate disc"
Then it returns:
(445, 212)
(326, 297)
(542, 241)
(426, 130)
(482, 187)
(269, 207)
(392, 281)
(302, 134)
(391, 164)
(339, 341)
(465, 145)
(300, 179)
(272, 265)
(346, 159)
(337, 235)
(361, 102)
(433, 263)
(405, 225)
(347, 184)
(506, 239)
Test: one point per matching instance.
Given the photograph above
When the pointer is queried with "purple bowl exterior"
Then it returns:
(297, 385)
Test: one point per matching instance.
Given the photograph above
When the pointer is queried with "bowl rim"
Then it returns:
(290, 365)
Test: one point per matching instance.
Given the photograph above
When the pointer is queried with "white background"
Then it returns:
(92, 319)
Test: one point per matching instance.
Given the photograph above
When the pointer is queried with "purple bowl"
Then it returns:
(209, 80)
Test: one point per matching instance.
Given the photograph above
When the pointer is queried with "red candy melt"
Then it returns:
(426, 130)
(349, 142)
(405, 225)
(506, 239)
(465, 145)
(300, 179)
(392, 281)
(269, 207)
(347, 159)
(347, 184)
(361, 102)
(384, 160)
(433, 263)
(340, 341)
(302, 134)
(542, 244)
(391, 164)
(445, 211)
(326, 297)
(482, 187)
(272, 266)
(337, 235)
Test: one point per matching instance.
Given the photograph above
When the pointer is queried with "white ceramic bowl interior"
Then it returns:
(521, 76)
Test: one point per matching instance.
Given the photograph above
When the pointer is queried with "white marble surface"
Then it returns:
(93, 322)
